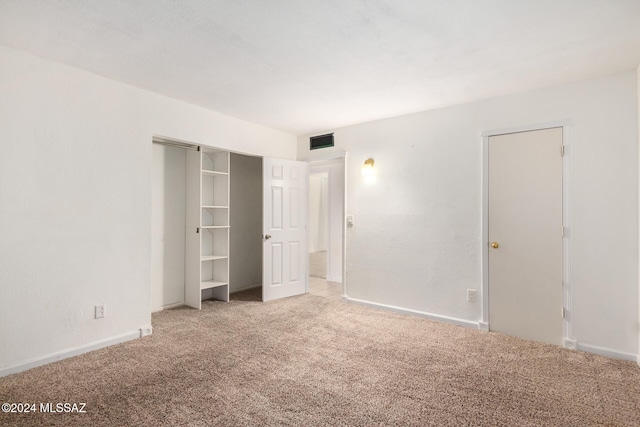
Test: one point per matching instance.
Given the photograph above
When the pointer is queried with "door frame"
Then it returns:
(318, 170)
(567, 306)
(339, 156)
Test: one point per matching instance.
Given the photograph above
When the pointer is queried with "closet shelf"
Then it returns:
(208, 172)
(211, 284)
(207, 204)
(213, 257)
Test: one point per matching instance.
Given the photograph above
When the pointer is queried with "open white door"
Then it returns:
(284, 254)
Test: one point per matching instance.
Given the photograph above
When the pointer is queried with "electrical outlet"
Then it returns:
(471, 295)
(101, 311)
(146, 331)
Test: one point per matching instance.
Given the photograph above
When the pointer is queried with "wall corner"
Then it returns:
(638, 237)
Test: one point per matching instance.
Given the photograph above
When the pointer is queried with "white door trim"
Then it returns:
(338, 157)
(568, 340)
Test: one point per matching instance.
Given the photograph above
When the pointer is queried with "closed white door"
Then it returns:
(284, 263)
(525, 235)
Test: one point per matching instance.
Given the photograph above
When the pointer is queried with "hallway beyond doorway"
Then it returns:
(323, 288)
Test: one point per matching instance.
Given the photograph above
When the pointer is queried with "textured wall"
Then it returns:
(75, 200)
(417, 239)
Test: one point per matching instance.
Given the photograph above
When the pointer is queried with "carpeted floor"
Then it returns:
(312, 361)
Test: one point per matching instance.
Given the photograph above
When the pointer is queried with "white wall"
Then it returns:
(75, 201)
(416, 243)
(638, 99)
(168, 219)
(245, 245)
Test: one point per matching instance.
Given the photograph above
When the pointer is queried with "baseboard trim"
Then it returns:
(445, 319)
(607, 352)
(75, 351)
(167, 307)
(245, 288)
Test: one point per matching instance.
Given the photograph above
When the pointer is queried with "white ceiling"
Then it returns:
(305, 66)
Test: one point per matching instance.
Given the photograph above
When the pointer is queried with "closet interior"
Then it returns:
(206, 224)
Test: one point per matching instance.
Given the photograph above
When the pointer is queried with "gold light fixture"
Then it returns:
(367, 168)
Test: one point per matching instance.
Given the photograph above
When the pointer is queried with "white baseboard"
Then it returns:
(167, 307)
(336, 279)
(483, 326)
(244, 288)
(445, 319)
(75, 351)
(602, 351)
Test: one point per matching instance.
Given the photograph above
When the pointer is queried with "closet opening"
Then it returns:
(206, 225)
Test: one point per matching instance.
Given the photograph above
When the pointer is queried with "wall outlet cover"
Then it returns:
(101, 311)
(146, 331)
(472, 295)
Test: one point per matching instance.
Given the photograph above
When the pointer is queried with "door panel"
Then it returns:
(294, 262)
(276, 264)
(285, 233)
(525, 221)
(276, 209)
(295, 208)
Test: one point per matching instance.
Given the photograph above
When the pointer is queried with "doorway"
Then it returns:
(225, 222)
(524, 234)
(326, 227)
(318, 223)
(169, 260)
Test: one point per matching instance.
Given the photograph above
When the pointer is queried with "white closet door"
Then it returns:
(285, 207)
(525, 235)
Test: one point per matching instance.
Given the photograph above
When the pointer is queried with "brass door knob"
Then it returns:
(495, 245)
(267, 236)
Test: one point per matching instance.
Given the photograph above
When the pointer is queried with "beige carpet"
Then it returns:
(312, 361)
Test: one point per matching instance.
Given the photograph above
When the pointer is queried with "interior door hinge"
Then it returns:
(564, 313)
(562, 150)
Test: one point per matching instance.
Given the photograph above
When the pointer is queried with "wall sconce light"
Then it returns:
(367, 168)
